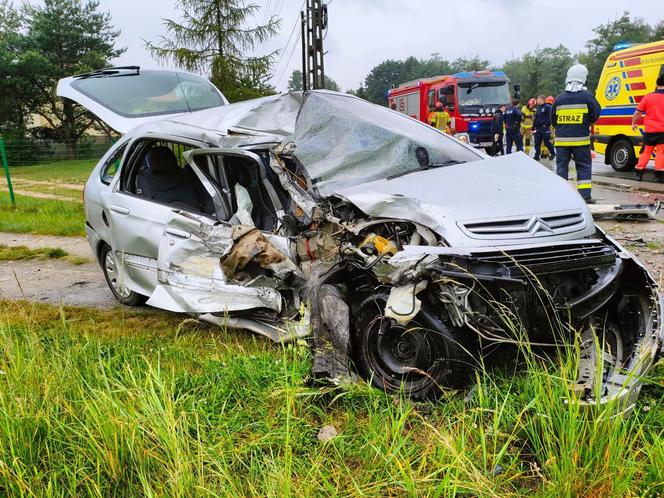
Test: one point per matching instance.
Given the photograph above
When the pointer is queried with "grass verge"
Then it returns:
(15, 253)
(57, 171)
(148, 404)
(41, 216)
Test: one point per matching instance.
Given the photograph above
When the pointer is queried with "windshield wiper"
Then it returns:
(451, 162)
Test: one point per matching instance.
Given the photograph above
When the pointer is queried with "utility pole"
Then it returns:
(314, 23)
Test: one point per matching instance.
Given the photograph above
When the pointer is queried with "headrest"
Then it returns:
(160, 159)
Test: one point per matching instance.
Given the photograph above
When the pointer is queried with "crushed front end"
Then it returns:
(423, 314)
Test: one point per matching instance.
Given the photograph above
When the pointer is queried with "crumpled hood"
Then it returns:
(491, 189)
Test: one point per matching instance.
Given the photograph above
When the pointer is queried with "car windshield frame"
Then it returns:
(180, 97)
(484, 100)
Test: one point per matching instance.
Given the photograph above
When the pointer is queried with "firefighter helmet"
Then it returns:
(439, 105)
(549, 100)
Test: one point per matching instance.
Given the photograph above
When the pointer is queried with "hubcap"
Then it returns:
(112, 274)
(621, 155)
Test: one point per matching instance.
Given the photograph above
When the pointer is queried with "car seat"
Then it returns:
(163, 180)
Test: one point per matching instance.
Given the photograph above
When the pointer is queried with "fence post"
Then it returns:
(5, 165)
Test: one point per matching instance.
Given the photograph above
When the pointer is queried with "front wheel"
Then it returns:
(113, 278)
(621, 156)
(419, 358)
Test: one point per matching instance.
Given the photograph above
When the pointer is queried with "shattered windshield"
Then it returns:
(342, 141)
(483, 94)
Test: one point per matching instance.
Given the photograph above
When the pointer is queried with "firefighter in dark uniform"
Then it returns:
(574, 111)
(542, 128)
(497, 125)
(513, 118)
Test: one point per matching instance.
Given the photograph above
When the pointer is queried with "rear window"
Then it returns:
(150, 93)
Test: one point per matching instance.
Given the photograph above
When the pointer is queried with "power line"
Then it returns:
(290, 37)
(290, 57)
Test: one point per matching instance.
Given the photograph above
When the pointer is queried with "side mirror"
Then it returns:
(517, 91)
(422, 156)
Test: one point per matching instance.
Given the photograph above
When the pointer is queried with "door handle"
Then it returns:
(119, 209)
(176, 232)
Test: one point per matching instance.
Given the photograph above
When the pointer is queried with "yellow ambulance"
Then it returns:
(628, 75)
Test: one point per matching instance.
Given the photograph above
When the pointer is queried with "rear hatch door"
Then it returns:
(125, 97)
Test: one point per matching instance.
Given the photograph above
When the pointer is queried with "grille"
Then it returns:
(550, 259)
(524, 227)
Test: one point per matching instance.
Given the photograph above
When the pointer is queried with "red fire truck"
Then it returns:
(470, 98)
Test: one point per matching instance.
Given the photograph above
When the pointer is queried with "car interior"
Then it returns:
(157, 171)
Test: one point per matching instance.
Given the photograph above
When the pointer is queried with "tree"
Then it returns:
(658, 32)
(295, 82)
(623, 29)
(469, 64)
(391, 72)
(213, 37)
(541, 71)
(12, 112)
(62, 37)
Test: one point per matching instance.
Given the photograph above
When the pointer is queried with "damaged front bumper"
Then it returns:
(533, 294)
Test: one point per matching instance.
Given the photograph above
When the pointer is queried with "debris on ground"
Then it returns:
(633, 212)
(327, 433)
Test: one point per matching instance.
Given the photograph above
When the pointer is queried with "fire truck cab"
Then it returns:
(471, 98)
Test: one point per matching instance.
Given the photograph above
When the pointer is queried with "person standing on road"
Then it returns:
(542, 128)
(497, 131)
(574, 111)
(513, 118)
(652, 106)
(440, 119)
(528, 112)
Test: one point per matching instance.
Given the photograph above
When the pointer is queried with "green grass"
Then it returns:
(127, 404)
(41, 216)
(15, 253)
(61, 171)
(54, 189)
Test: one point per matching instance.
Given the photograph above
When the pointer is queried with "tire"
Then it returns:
(420, 358)
(621, 155)
(121, 293)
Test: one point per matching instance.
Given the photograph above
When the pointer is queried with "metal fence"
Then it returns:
(24, 152)
(48, 169)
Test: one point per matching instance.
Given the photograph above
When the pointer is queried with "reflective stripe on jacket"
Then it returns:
(528, 116)
(573, 113)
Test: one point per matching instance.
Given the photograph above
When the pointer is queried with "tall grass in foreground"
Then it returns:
(112, 404)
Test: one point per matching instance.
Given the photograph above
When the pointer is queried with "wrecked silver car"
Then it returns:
(403, 252)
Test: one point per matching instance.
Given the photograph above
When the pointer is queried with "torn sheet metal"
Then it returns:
(281, 332)
(190, 274)
(252, 246)
(331, 326)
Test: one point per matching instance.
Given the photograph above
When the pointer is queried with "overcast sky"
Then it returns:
(363, 33)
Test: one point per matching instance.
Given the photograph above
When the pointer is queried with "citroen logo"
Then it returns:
(536, 225)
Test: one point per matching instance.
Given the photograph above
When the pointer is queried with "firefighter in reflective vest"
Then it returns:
(528, 112)
(440, 119)
(574, 111)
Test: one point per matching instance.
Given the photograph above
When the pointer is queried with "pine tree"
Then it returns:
(214, 37)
